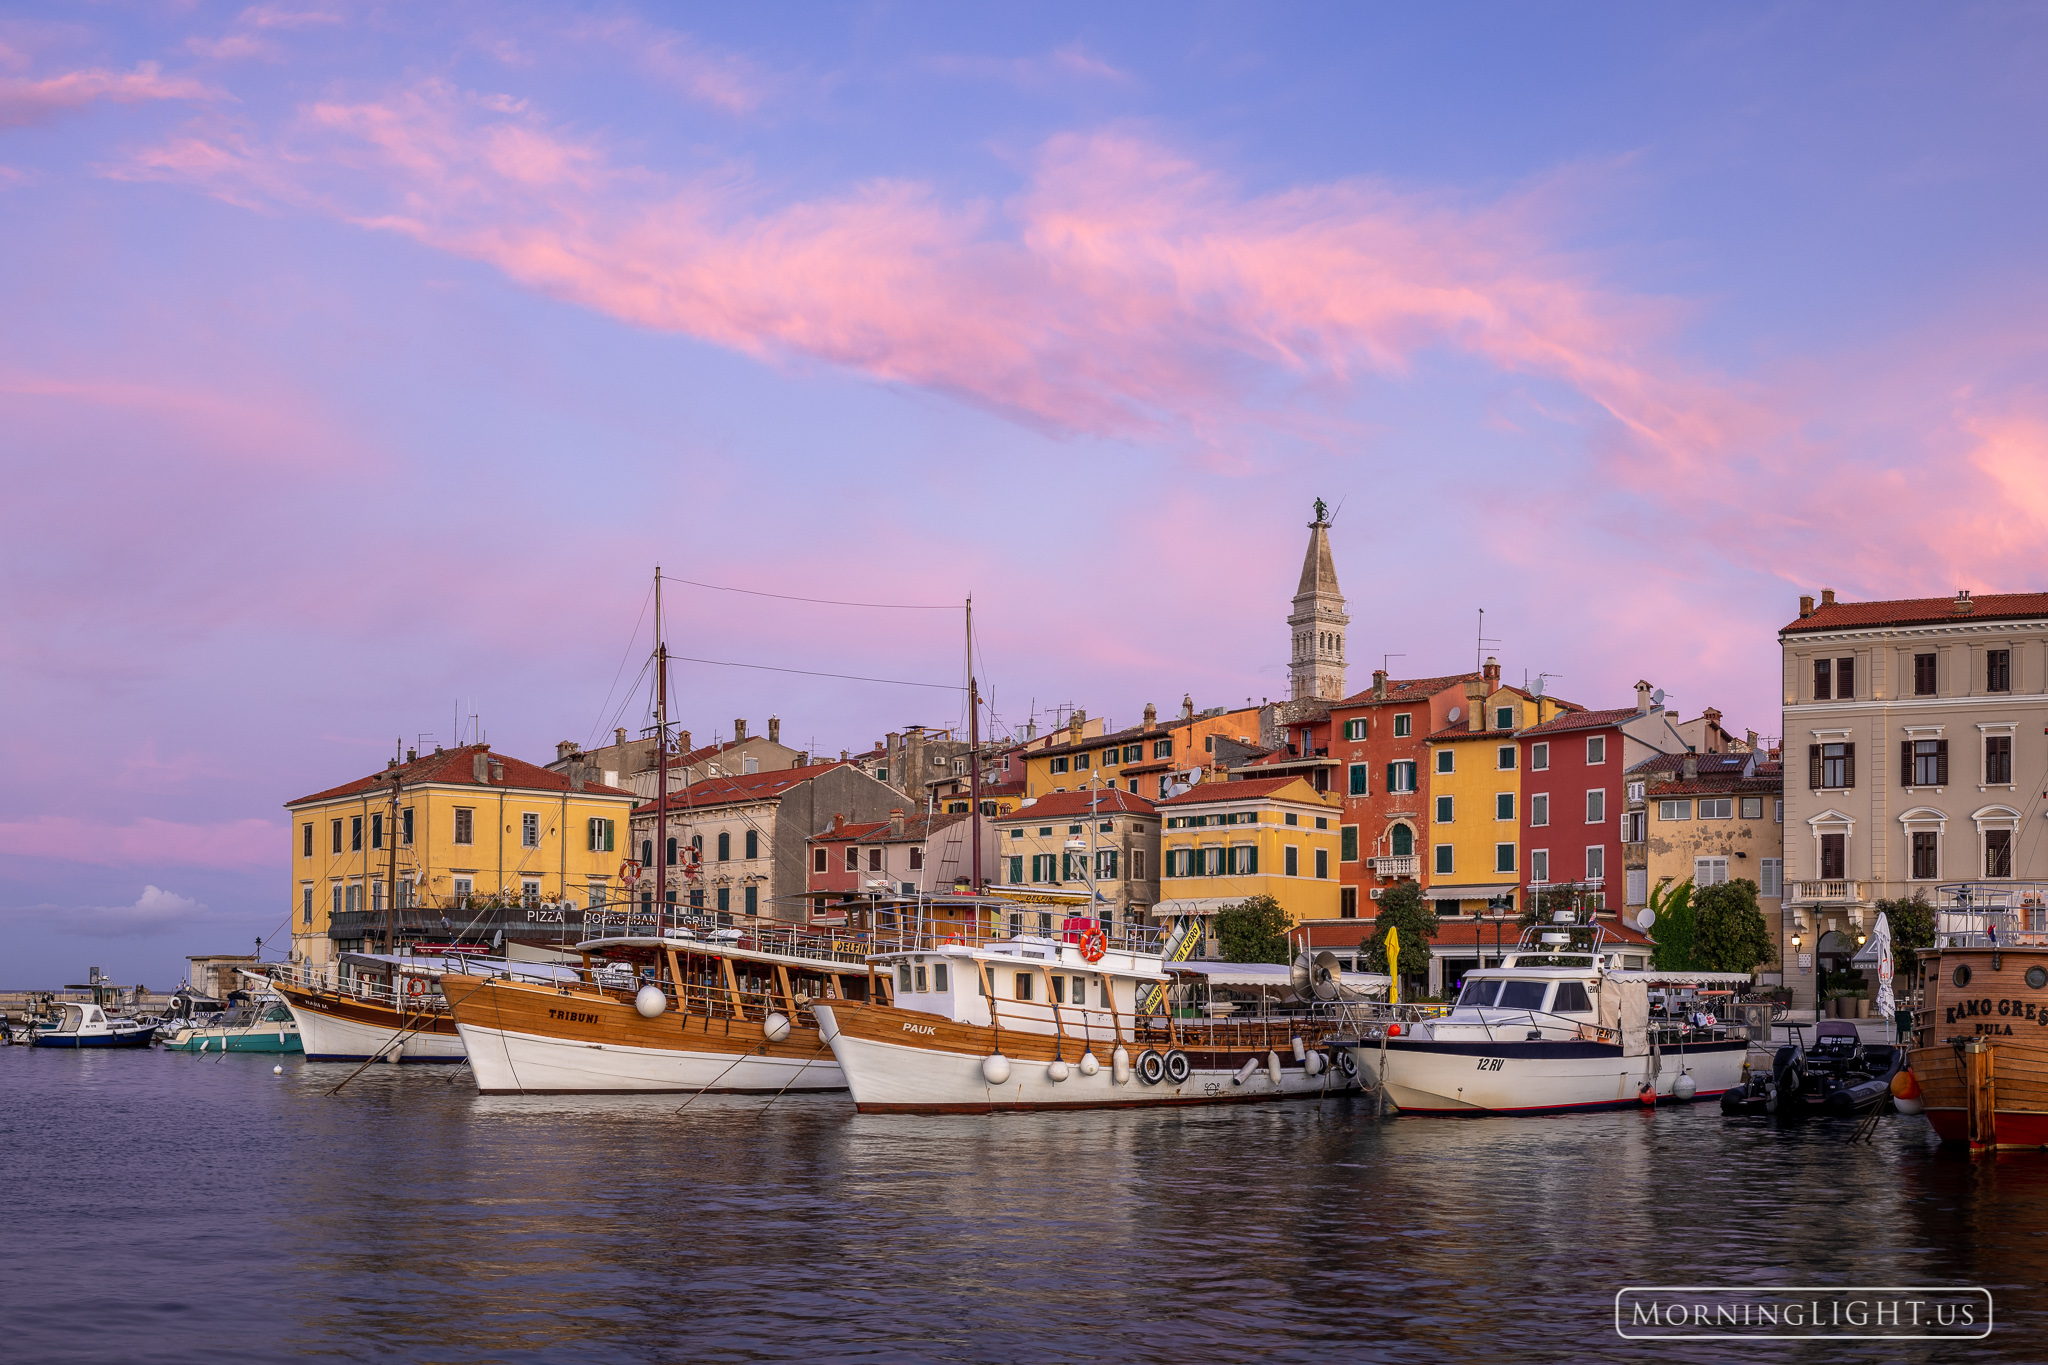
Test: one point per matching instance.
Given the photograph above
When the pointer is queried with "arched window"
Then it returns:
(753, 843)
(1404, 841)
(697, 842)
(671, 853)
(647, 853)
(725, 848)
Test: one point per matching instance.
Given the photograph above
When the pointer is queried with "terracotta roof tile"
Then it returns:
(1909, 611)
(1405, 690)
(1583, 720)
(1247, 789)
(877, 831)
(740, 787)
(1107, 802)
(458, 767)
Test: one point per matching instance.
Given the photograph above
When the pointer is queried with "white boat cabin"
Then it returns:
(1038, 985)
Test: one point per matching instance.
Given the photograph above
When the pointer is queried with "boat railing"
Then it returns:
(413, 993)
(1991, 914)
(1368, 1016)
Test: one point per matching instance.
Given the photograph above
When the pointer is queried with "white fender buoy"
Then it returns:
(1313, 1063)
(1244, 1073)
(277, 1071)
(650, 1002)
(995, 1068)
(775, 1027)
(1120, 1066)
(1273, 1067)
(1300, 1049)
(1088, 1066)
(1056, 1070)
(1685, 1087)
(1904, 1105)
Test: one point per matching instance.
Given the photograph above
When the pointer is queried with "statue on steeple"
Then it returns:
(1322, 514)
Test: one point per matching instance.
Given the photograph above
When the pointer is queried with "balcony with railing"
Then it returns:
(1828, 891)
(1395, 865)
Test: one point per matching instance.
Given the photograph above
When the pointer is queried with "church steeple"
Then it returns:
(1316, 672)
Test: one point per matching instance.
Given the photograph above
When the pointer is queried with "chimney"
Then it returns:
(1805, 607)
(619, 735)
(1492, 671)
(576, 771)
(843, 754)
(683, 744)
(1691, 767)
(1963, 605)
(739, 731)
(1827, 597)
(891, 745)
(896, 822)
(1752, 741)
(838, 821)
(412, 755)
(1187, 707)
(479, 766)
(1643, 690)
(564, 748)
(1074, 723)
(774, 730)
(1475, 704)
(1379, 684)
(1151, 716)
(497, 771)
(803, 760)
(389, 764)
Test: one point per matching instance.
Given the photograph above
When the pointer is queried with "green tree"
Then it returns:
(1253, 930)
(1912, 925)
(1729, 933)
(1674, 927)
(1401, 908)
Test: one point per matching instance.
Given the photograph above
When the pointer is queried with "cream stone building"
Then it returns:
(1916, 738)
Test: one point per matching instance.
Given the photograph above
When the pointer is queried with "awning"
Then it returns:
(1656, 978)
(1197, 905)
(1266, 974)
(1468, 893)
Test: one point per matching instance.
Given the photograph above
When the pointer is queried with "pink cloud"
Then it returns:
(1061, 66)
(724, 80)
(24, 101)
(234, 844)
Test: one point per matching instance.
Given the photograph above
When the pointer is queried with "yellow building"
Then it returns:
(1144, 759)
(1227, 841)
(467, 834)
(1472, 847)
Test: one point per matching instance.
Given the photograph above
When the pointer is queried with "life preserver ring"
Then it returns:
(1150, 1067)
(1178, 1067)
(415, 986)
(1094, 944)
(629, 872)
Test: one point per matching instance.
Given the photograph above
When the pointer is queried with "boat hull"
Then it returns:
(528, 1039)
(136, 1038)
(1477, 1079)
(2018, 1099)
(264, 1038)
(907, 1062)
(340, 1028)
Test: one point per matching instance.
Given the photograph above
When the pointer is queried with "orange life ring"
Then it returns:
(1094, 944)
(629, 872)
(415, 986)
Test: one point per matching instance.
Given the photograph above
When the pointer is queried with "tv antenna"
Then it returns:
(1479, 649)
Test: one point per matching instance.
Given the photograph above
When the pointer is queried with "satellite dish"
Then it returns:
(1658, 696)
(1454, 713)
(1645, 920)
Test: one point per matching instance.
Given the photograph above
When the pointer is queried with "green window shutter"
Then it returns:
(1348, 851)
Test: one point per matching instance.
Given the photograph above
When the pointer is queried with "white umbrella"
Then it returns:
(1881, 937)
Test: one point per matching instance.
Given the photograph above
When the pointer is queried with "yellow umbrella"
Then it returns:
(1394, 965)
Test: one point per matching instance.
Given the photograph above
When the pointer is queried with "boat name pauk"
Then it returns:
(920, 1028)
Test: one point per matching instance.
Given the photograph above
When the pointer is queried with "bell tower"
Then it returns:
(1316, 669)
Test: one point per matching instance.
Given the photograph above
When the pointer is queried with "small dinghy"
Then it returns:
(1839, 1075)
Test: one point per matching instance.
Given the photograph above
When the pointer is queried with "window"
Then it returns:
(355, 834)
(1403, 840)
(1503, 805)
(464, 889)
(306, 850)
(405, 828)
(1772, 880)
(1596, 806)
(1209, 743)
(1023, 991)
(1998, 758)
(1044, 831)
(1162, 748)
(306, 898)
(1347, 902)
(1504, 757)
(1354, 729)
(1635, 791)
(1323, 864)
(1779, 806)
(598, 838)
(1083, 762)
(337, 834)
(1445, 859)
(852, 858)
(1539, 865)
(753, 902)
(1998, 853)
(1105, 865)
(1137, 864)
(669, 850)
(1322, 822)
(1717, 808)
(1133, 752)
(377, 830)
(1503, 717)
(1674, 810)
(647, 853)
(1633, 831)
(1596, 750)
(1446, 761)
(882, 773)
(1503, 857)
(1445, 810)
(1361, 781)
(529, 830)
(1043, 867)
(1834, 857)
(1401, 777)
(1709, 871)
(1923, 675)
(465, 825)
(1058, 765)
(1292, 861)
(1347, 844)
(1016, 877)
(725, 847)
(1831, 765)
(1539, 809)
(1926, 855)
(753, 843)
(1539, 756)
(1596, 863)
(1845, 678)
(874, 860)
(818, 862)
(1823, 679)
(1925, 762)
(1752, 808)
(917, 857)
(1404, 724)
(1998, 670)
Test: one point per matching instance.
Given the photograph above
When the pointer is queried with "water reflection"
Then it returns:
(175, 1207)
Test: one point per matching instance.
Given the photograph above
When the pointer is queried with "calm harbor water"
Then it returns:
(168, 1208)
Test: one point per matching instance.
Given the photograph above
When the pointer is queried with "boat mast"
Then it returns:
(973, 760)
(391, 878)
(660, 759)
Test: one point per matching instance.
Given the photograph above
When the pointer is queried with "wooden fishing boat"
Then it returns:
(721, 1010)
(386, 1006)
(1980, 1054)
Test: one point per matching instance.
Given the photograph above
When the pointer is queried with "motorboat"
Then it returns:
(87, 1025)
(1065, 1021)
(725, 1009)
(1838, 1076)
(1558, 1026)
(263, 1025)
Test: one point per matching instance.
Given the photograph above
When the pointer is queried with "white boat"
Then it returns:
(388, 1007)
(88, 1025)
(1067, 1022)
(1556, 1027)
